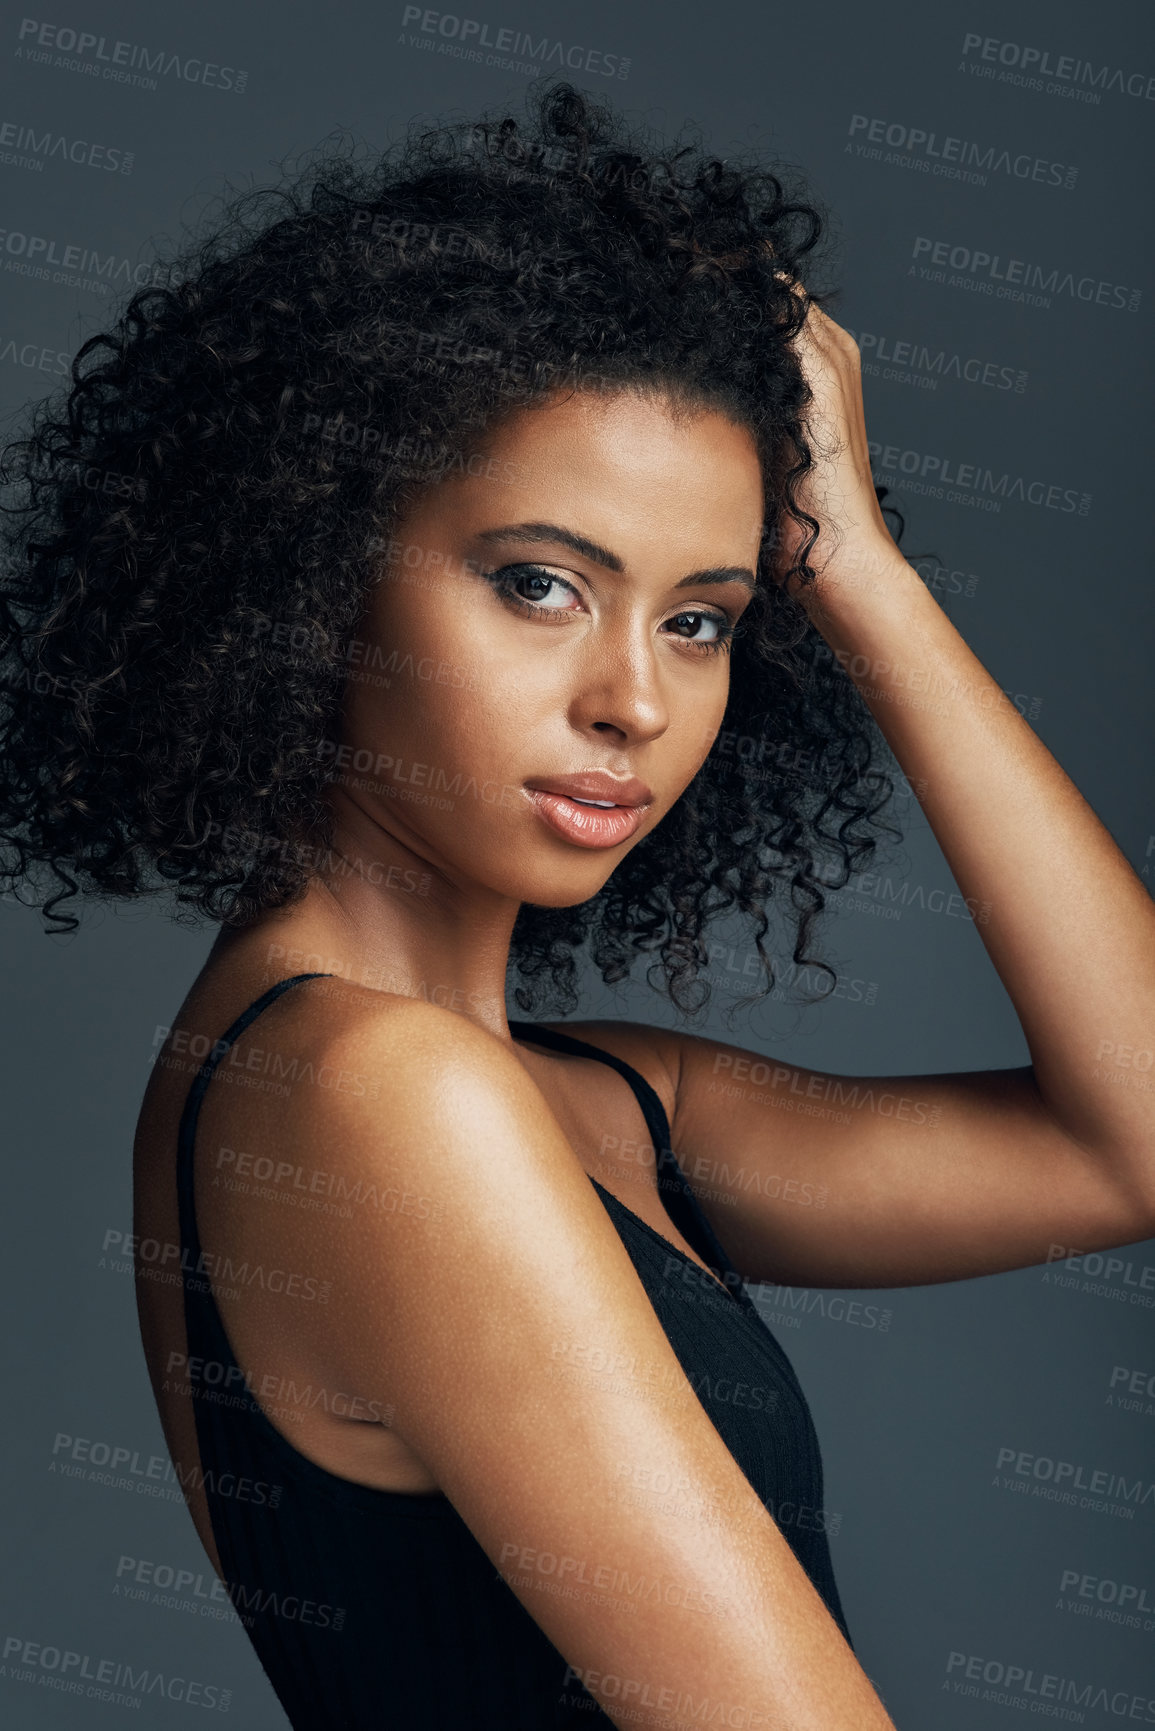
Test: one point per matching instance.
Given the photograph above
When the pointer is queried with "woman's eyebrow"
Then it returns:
(719, 574)
(532, 533)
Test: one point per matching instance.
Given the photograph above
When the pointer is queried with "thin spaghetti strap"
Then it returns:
(190, 1244)
(678, 1198)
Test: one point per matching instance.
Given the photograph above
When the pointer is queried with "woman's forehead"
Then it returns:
(620, 474)
(627, 442)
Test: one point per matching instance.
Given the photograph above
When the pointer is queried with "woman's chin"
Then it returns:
(550, 888)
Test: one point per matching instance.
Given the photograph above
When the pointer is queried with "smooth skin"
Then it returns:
(467, 1313)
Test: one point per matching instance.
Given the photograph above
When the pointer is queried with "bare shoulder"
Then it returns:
(367, 1047)
(396, 1089)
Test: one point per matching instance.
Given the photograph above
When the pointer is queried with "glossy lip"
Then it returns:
(595, 784)
(556, 802)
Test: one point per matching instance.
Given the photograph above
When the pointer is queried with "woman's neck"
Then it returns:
(379, 915)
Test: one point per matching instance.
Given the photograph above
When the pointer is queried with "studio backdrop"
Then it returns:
(989, 1444)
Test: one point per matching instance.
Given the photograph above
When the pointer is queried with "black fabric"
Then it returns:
(371, 1609)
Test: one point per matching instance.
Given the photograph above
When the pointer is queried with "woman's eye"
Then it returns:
(704, 628)
(537, 587)
(542, 594)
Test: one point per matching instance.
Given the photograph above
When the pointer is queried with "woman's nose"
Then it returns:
(619, 689)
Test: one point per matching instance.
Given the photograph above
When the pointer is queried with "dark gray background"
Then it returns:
(932, 1555)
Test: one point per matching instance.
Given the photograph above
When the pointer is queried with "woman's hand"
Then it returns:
(854, 549)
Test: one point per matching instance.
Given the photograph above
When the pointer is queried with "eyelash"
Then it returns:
(503, 577)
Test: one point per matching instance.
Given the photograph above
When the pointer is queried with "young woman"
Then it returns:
(394, 584)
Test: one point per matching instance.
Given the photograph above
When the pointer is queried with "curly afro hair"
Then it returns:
(234, 449)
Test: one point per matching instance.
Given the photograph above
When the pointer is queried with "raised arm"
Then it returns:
(929, 1178)
(482, 1317)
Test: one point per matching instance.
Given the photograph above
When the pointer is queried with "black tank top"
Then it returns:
(373, 1609)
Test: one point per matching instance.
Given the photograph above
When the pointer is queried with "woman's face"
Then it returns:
(550, 631)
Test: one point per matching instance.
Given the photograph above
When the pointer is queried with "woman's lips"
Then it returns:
(587, 825)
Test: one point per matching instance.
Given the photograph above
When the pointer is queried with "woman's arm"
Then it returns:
(924, 1178)
(1069, 926)
(503, 1322)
